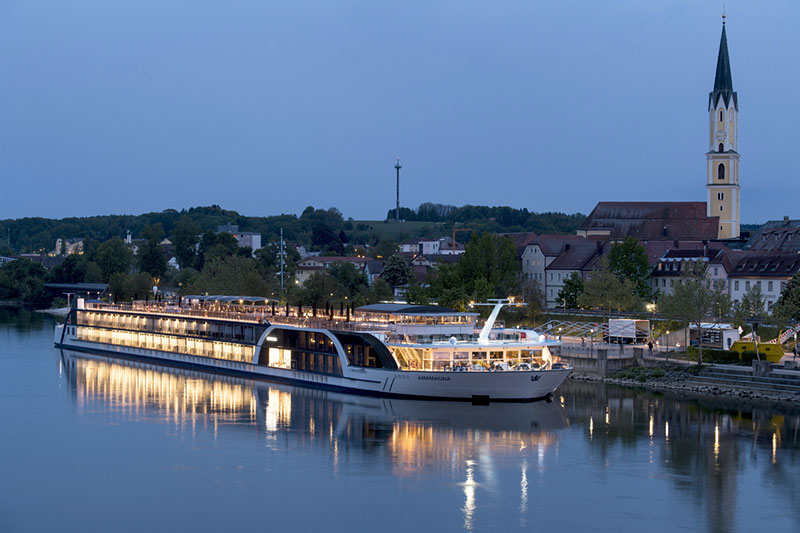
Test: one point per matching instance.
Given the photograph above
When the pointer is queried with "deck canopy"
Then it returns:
(410, 309)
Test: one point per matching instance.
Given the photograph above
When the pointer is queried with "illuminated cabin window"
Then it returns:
(167, 343)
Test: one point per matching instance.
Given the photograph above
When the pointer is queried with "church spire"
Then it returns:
(723, 81)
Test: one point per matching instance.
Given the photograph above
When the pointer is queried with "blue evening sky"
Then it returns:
(265, 107)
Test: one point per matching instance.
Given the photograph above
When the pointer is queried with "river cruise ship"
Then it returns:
(389, 349)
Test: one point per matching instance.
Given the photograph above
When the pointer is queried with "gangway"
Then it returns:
(569, 328)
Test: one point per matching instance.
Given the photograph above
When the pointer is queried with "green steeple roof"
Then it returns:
(723, 82)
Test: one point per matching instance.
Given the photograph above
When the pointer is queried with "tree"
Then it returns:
(571, 290)
(206, 242)
(535, 300)
(417, 294)
(384, 249)
(225, 245)
(753, 302)
(113, 257)
(24, 280)
(232, 275)
(606, 291)
(151, 258)
(321, 287)
(349, 277)
(628, 260)
(695, 299)
(380, 291)
(788, 306)
(492, 259)
(185, 240)
(396, 271)
(137, 286)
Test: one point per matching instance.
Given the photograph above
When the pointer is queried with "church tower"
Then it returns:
(722, 157)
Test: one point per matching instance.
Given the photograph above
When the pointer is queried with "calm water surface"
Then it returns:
(94, 444)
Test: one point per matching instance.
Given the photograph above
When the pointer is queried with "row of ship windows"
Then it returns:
(280, 358)
(215, 349)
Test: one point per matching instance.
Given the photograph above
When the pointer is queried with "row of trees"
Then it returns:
(497, 218)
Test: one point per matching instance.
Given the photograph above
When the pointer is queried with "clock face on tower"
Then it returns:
(721, 135)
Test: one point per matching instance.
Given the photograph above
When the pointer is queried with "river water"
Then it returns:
(95, 444)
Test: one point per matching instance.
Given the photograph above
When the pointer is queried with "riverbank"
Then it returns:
(675, 382)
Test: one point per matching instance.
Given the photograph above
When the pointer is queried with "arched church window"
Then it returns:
(721, 115)
(721, 171)
(721, 147)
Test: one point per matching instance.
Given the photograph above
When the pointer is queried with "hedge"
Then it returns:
(711, 355)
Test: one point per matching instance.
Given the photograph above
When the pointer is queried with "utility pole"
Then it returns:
(397, 167)
(282, 254)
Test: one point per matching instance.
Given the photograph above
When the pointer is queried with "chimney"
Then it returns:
(566, 247)
(785, 220)
(676, 243)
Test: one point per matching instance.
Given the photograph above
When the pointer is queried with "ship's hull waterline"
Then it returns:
(471, 386)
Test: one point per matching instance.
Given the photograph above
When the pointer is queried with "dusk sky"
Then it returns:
(267, 107)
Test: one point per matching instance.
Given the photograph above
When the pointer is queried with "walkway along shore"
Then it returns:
(682, 383)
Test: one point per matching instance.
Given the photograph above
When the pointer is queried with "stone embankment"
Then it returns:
(736, 385)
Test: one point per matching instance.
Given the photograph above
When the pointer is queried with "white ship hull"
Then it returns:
(475, 386)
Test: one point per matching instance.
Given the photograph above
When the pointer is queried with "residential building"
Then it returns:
(768, 270)
(246, 239)
(442, 245)
(373, 270)
(308, 265)
(576, 258)
(776, 236)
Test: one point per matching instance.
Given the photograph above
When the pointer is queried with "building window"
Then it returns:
(720, 196)
(721, 115)
(736, 285)
(769, 286)
(721, 171)
(721, 147)
(716, 271)
(747, 285)
(720, 208)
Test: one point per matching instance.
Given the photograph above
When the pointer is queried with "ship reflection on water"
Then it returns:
(516, 453)
(415, 437)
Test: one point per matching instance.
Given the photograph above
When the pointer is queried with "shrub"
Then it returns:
(712, 355)
(748, 357)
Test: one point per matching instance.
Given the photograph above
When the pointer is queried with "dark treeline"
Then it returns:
(497, 218)
(321, 228)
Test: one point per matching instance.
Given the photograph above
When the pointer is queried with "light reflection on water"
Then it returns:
(107, 433)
